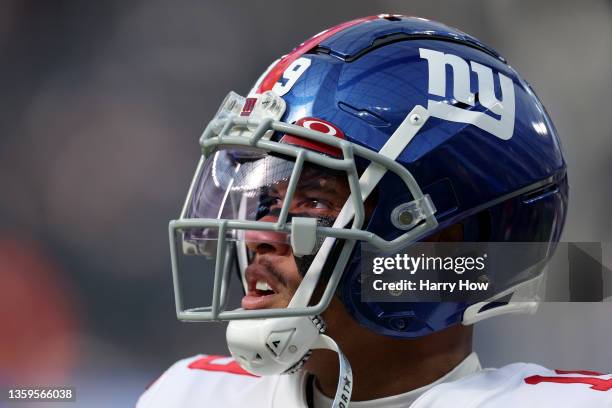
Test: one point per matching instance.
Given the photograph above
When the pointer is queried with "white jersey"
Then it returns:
(213, 381)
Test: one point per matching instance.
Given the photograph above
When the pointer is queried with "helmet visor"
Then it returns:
(245, 184)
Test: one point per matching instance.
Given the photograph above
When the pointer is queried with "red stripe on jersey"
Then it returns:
(598, 384)
(207, 364)
(275, 73)
(583, 372)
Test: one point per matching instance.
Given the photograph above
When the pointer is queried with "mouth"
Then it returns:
(262, 289)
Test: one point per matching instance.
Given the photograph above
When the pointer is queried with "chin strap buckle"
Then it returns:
(298, 366)
(319, 323)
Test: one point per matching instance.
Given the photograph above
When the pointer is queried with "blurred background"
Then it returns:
(101, 108)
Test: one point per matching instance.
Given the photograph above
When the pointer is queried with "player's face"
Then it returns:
(273, 275)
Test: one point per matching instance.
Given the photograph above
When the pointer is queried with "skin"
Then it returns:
(378, 370)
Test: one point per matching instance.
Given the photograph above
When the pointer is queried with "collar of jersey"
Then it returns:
(468, 366)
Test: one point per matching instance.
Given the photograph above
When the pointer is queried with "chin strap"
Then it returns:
(269, 346)
(345, 375)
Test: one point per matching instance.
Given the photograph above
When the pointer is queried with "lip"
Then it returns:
(254, 299)
(251, 302)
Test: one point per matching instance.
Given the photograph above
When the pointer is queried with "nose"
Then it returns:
(267, 242)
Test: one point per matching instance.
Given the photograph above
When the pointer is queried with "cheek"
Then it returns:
(290, 270)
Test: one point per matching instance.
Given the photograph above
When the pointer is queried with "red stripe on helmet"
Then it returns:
(275, 73)
(320, 126)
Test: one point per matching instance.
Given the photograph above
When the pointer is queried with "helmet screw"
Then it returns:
(398, 323)
(415, 119)
(292, 348)
(395, 292)
(405, 218)
(483, 279)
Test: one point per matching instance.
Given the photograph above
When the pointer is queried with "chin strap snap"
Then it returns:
(319, 323)
(345, 375)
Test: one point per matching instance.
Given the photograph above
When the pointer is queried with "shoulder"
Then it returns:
(215, 380)
(523, 384)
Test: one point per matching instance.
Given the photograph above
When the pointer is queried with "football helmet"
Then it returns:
(427, 124)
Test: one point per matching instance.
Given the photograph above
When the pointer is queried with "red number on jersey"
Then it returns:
(599, 384)
(212, 363)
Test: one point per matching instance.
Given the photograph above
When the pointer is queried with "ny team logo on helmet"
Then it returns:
(461, 93)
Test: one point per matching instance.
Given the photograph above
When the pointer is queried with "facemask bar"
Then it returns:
(248, 132)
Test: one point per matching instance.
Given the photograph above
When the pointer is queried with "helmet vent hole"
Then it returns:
(497, 303)
(391, 17)
(463, 105)
(460, 105)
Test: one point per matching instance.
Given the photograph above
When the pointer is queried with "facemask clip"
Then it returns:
(303, 235)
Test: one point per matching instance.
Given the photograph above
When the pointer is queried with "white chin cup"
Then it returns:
(271, 346)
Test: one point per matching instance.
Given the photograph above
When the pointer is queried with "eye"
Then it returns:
(268, 205)
(276, 202)
(318, 204)
(270, 201)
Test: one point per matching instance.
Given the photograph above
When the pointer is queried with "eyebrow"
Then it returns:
(313, 184)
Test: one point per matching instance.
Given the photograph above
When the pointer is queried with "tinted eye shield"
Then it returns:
(304, 234)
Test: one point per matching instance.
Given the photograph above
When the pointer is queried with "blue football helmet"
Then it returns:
(429, 124)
